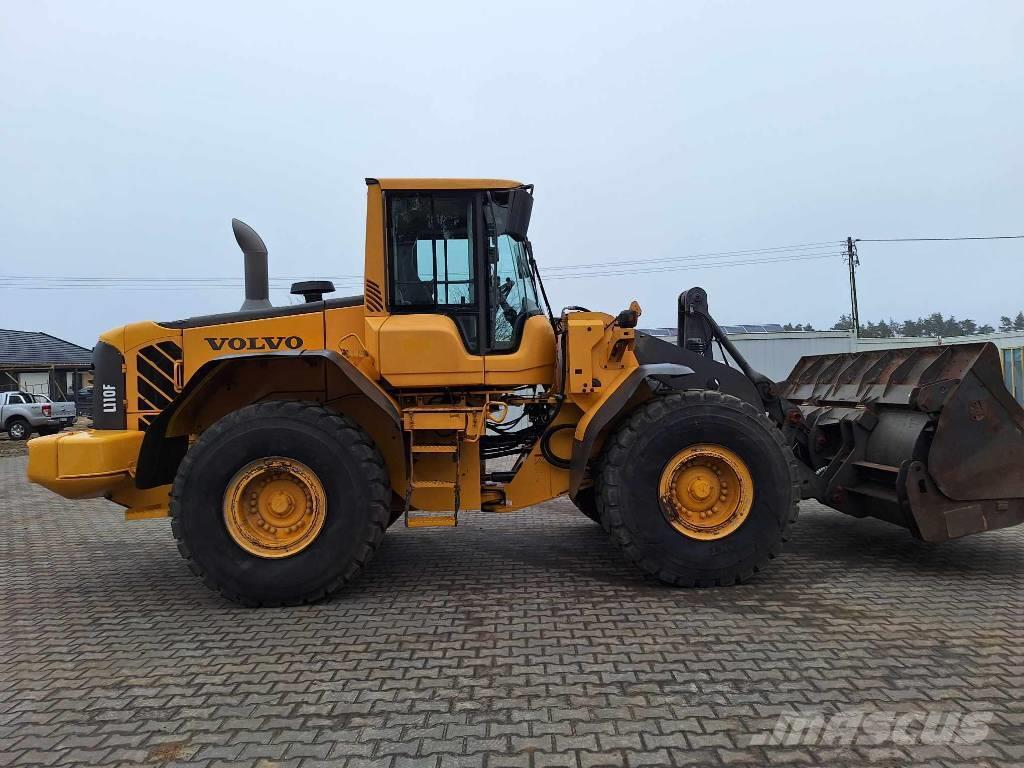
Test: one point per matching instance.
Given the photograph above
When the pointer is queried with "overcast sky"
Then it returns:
(131, 133)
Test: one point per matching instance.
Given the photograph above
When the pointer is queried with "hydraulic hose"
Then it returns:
(545, 447)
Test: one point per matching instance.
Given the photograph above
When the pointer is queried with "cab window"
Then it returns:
(431, 258)
(511, 290)
(432, 251)
(513, 294)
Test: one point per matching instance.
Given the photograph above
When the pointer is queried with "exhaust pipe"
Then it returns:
(257, 280)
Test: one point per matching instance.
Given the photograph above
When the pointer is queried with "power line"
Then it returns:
(710, 259)
(853, 261)
(127, 288)
(658, 266)
(283, 281)
(780, 253)
(934, 239)
(703, 265)
(712, 254)
(29, 283)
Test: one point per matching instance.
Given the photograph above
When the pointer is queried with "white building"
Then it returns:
(775, 352)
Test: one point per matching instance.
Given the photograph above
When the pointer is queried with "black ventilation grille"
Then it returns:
(157, 369)
(374, 298)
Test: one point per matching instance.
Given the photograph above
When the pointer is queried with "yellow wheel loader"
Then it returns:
(283, 441)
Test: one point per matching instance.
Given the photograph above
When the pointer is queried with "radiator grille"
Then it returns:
(156, 366)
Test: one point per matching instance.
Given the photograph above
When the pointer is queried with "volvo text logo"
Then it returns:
(240, 343)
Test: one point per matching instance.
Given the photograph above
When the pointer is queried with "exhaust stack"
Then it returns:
(257, 280)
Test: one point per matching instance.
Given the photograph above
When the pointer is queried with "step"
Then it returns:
(441, 407)
(434, 420)
(415, 520)
(435, 448)
(433, 483)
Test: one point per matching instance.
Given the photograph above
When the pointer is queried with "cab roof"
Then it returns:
(445, 183)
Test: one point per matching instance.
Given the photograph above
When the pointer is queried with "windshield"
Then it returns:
(512, 292)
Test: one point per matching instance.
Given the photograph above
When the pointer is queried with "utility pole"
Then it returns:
(853, 261)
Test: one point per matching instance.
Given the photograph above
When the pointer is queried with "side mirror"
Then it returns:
(511, 210)
(520, 206)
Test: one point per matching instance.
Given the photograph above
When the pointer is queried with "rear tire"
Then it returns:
(345, 463)
(19, 429)
(632, 468)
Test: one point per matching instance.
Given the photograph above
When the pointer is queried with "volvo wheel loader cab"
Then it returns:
(283, 441)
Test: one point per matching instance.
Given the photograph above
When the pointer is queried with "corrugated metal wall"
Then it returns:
(1013, 372)
(775, 354)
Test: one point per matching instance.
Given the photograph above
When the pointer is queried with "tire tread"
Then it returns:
(618, 451)
(341, 428)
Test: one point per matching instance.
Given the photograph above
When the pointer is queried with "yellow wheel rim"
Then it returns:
(706, 491)
(274, 507)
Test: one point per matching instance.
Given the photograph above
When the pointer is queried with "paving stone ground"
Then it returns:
(10, 447)
(517, 640)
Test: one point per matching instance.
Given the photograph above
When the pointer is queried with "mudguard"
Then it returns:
(160, 455)
(672, 367)
(583, 447)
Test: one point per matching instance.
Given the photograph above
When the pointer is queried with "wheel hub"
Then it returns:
(274, 507)
(706, 491)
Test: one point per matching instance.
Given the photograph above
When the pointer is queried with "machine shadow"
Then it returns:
(829, 538)
(558, 551)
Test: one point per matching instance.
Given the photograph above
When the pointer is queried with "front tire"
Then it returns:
(698, 488)
(586, 502)
(19, 429)
(280, 503)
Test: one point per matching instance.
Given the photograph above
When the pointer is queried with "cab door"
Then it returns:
(521, 341)
(463, 301)
(432, 336)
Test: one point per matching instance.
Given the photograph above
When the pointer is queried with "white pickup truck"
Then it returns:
(22, 413)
